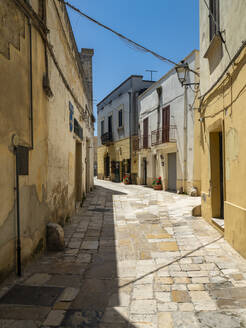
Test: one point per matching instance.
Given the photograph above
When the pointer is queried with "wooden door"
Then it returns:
(172, 172)
(165, 124)
(107, 166)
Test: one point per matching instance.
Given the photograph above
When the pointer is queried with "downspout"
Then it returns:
(30, 84)
(185, 137)
(18, 246)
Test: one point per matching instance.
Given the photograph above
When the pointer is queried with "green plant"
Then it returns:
(156, 182)
(126, 179)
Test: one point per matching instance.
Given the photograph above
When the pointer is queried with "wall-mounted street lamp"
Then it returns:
(182, 71)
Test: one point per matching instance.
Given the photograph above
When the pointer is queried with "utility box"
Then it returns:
(22, 160)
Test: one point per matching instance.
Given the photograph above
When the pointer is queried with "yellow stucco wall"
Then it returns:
(14, 118)
(223, 110)
(47, 193)
(117, 151)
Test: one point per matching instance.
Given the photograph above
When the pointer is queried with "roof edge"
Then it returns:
(165, 75)
(130, 77)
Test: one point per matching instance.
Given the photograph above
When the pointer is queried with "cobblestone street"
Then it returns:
(134, 257)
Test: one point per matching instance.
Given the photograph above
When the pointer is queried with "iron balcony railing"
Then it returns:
(106, 138)
(160, 136)
(143, 142)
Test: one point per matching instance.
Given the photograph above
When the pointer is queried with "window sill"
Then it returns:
(214, 45)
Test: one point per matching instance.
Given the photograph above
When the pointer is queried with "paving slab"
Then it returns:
(131, 261)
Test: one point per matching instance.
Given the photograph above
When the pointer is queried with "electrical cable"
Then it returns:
(123, 37)
(222, 75)
(211, 14)
(218, 29)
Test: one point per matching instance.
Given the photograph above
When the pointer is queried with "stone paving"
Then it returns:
(135, 258)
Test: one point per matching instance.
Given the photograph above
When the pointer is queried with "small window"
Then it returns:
(213, 18)
(102, 128)
(120, 118)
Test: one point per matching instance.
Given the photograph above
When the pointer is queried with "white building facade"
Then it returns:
(166, 131)
(117, 128)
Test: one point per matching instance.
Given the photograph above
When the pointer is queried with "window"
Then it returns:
(78, 129)
(71, 114)
(102, 128)
(213, 18)
(110, 125)
(120, 118)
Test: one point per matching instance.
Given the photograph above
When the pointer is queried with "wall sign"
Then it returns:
(71, 114)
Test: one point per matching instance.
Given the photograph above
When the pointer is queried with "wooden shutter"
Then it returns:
(145, 132)
(165, 124)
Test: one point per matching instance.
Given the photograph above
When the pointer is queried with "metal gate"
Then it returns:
(172, 172)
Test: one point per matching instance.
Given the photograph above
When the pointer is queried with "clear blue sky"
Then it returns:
(169, 27)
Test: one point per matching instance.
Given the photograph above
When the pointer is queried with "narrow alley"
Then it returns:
(134, 257)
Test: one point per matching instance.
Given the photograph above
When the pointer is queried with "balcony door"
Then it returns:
(110, 127)
(145, 132)
(165, 124)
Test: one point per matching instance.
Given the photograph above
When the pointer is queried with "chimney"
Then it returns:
(86, 60)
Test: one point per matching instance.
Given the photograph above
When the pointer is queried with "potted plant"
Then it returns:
(126, 179)
(157, 184)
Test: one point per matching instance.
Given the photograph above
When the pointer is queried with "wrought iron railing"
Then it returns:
(106, 138)
(144, 142)
(160, 136)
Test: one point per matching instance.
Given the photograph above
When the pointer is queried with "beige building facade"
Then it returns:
(223, 117)
(46, 114)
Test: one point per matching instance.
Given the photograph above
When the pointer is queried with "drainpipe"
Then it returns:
(185, 136)
(18, 247)
(30, 84)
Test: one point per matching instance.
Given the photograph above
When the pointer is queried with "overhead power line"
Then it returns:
(119, 34)
(123, 37)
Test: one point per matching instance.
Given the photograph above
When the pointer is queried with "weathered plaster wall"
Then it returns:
(223, 110)
(233, 25)
(118, 151)
(14, 118)
(47, 193)
(124, 98)
(121, 102)
(62, 142)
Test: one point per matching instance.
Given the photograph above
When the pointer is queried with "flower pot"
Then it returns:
(157, 187)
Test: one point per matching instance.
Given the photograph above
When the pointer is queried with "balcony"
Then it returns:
(144, 142)
(107, 138)
(161, 136)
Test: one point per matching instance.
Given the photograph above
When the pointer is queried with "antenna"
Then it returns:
(151, 72)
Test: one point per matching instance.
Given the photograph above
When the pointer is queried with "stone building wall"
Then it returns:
(47, 193)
